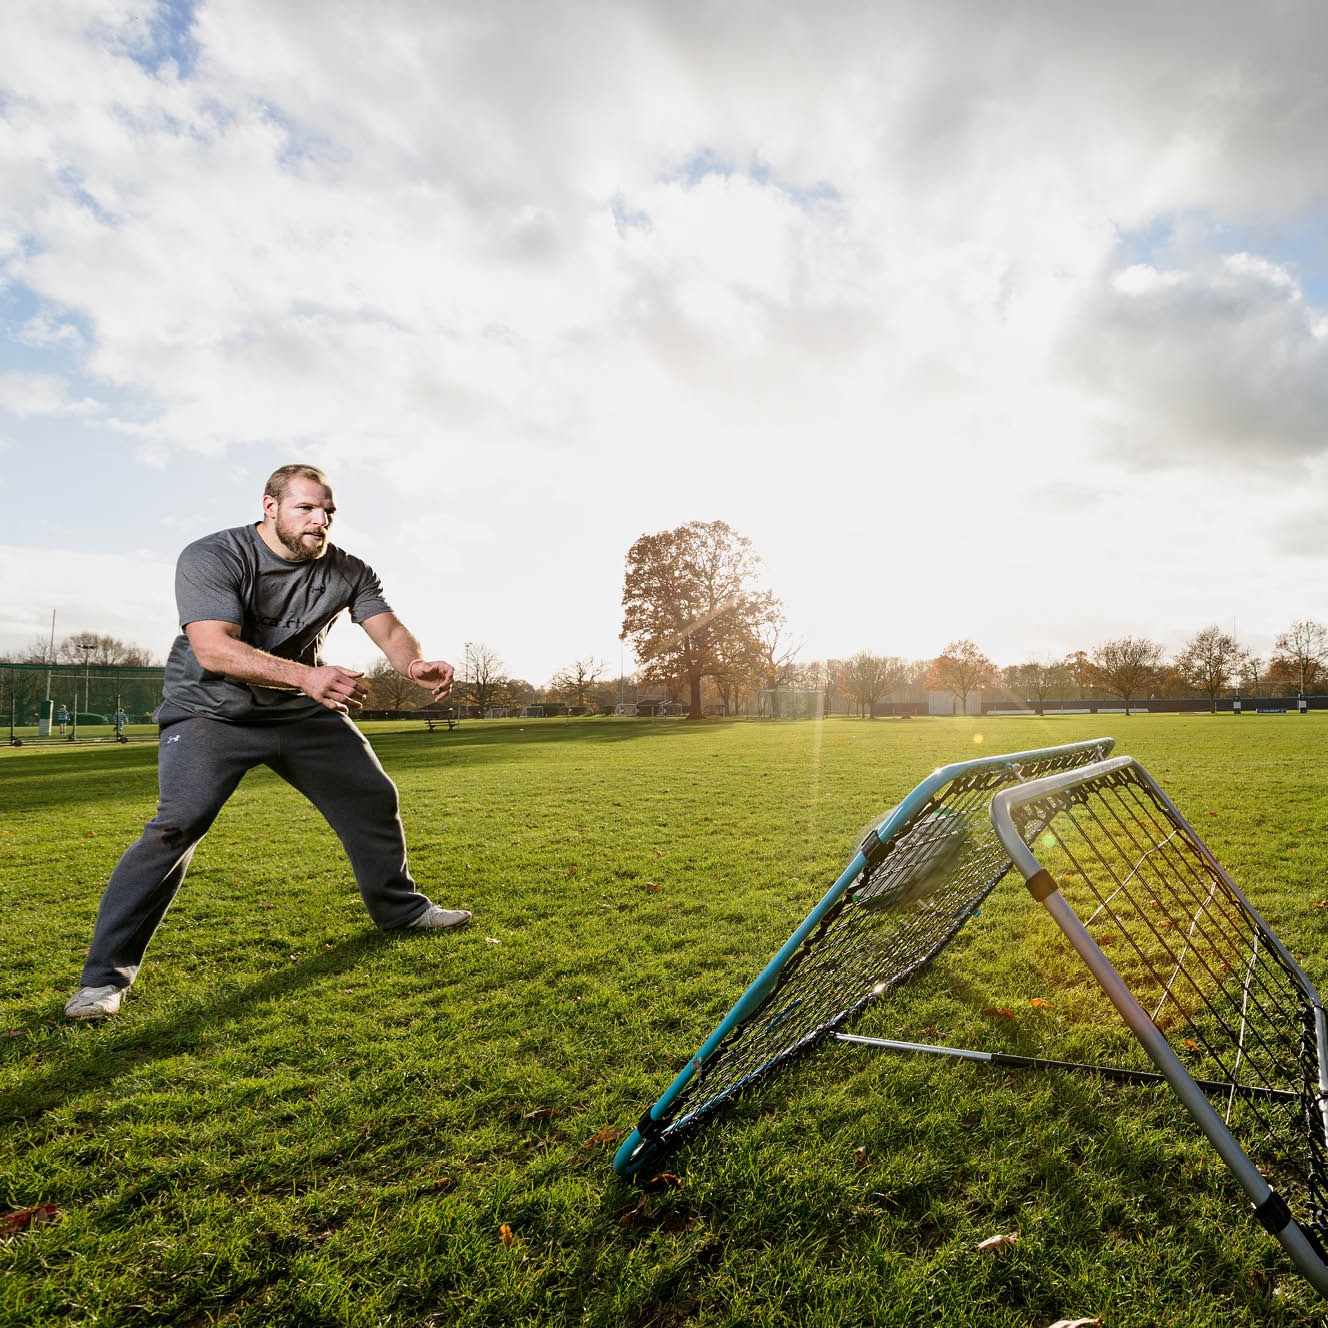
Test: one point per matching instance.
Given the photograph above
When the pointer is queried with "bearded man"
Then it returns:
(245, 685)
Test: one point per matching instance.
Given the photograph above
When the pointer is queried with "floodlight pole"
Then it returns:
(87, 685)
(50, 656)
(466, 679)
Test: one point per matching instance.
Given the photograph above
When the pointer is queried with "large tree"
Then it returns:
(692, 604)
(960, 669)
(1210, 661)
(1301, 652)
(1127, 667)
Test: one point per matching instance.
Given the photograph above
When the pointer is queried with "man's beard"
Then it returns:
(293, 538)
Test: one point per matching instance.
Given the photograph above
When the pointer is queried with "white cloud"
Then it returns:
(29, 394)
(863, 280)
(125, 594)
(1226, 361)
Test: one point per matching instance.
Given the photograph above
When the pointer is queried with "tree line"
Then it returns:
(702, 625)
(98, 651)
(706, 631)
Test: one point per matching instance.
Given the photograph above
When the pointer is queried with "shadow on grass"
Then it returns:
(100, 1061)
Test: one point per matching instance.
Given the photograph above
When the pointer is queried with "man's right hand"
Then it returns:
(335, 687)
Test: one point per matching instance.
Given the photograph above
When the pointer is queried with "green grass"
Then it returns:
(296, 1120)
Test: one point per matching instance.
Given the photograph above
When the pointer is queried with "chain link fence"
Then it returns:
(50, 703)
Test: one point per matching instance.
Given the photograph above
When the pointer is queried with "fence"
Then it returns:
(46, 703)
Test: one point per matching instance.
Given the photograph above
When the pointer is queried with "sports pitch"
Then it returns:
(299, 1121)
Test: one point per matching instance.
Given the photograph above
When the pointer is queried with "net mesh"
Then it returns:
(1201, 964)
(919, 887)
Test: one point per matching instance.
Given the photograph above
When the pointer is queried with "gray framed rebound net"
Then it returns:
(1228, 1017)
(1214, 1006)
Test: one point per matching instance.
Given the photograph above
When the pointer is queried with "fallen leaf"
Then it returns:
(542, 1113)
(1323, 903)
(493, 940)
(23, 1218)
(659, 853)
(860, 1157)
(1154, 903)
(991, 1009)
(631, 1216)
(505, 1234)
(1109, 939)
(651, 885)
(1164, 922)
(1039, 1004)
(1191, 1044)
(1076, 1323)
(1005, 1241)
(666, 1180)
(14, 1032)
(608, 1135)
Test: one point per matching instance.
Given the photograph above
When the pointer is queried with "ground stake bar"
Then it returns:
(1039, 1063)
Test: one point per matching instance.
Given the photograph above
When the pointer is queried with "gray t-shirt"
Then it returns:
(282, 606)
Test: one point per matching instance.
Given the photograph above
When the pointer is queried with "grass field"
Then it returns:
(296, 1120)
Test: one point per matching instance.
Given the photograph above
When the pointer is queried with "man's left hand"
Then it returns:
(435, 674)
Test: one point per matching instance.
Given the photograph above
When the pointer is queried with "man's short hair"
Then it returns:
(279, 481)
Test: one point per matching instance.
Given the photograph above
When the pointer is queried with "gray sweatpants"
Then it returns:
(199, 764)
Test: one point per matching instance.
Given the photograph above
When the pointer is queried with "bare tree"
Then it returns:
(575, 681)
(90, 648)
(1126, 667)
(1038, 679)
(961, 668)
(390, 690)
(38, 651)
(867, 678)
(1209, 662)
(1302, 651)
(1251, 676)
(777, 652)
(485, 682)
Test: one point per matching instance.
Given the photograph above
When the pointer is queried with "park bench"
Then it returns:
(437, 721)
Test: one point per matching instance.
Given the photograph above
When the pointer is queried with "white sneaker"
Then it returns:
(94, 1002)
(434, 916)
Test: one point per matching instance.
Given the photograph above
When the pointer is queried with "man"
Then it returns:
(244, 685)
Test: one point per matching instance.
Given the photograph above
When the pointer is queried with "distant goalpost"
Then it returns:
(790, 703)
(1227, 1018)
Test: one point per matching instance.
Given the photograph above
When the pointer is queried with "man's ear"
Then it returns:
(269, 507)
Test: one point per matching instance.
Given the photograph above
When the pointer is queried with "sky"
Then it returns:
(1002, 322)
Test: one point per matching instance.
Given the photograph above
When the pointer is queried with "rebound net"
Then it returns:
(916, 880)
(1212, 996)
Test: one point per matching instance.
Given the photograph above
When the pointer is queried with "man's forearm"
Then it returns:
(245, 663)
(401, 647)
